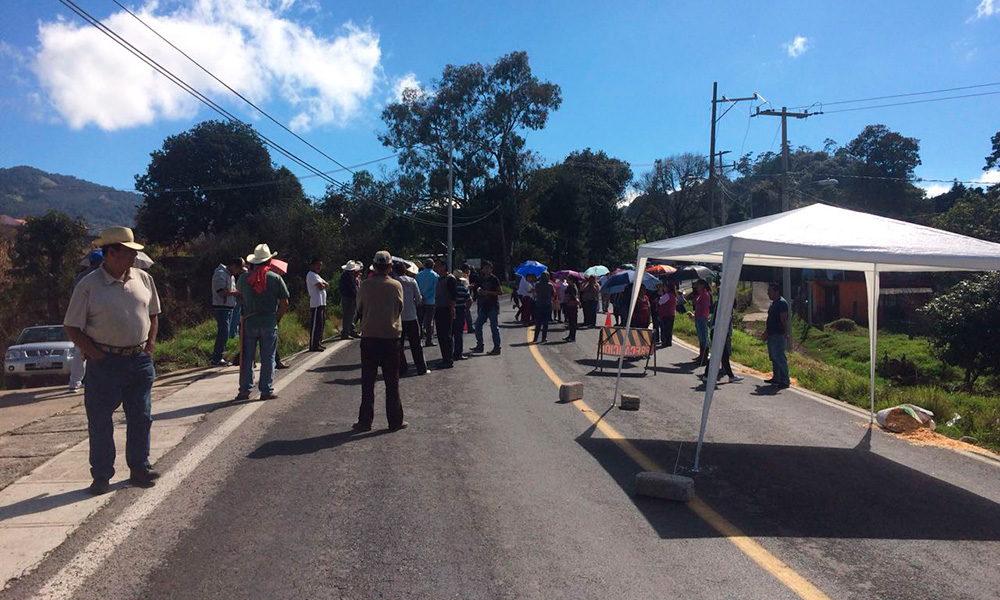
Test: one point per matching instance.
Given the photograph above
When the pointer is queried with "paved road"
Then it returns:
(497, 491)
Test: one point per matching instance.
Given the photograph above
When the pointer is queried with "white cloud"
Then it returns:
(936, 189)
(797, 47)
(985, 9)
(990, 177)
(402, 84)
(249, 44)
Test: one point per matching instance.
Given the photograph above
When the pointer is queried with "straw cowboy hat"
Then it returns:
(118, 235)
(352, 265)
(261, 254)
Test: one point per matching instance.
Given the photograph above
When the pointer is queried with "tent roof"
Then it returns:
(827, 237)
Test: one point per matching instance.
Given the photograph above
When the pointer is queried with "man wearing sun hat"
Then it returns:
(265, 300)
(348, 287)
(112, 318)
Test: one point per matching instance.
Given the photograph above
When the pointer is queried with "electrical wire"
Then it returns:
(840, 110)
(83, 14)
(908, 95)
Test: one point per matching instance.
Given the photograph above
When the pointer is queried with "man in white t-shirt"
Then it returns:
(317, 304)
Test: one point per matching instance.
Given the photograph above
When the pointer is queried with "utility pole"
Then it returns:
(786, 274)
(711, 151)
(722, 199)
(451, 200)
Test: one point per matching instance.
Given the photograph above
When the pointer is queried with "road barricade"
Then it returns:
(638, 344)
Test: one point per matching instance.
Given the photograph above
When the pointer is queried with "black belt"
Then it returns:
(122, 350)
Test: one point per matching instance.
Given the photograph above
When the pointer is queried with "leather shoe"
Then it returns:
(360, 428)
(269, 396)
(145, 478)
(478, 349)
(402, 425)
(769, 380)
(241, 396)
(99, 487)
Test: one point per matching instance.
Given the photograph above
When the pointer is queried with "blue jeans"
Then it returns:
(111, 382)
(779, 362)
(492, 314)
(701, 326)
(223, 317)
(234, 320)
(267, 339)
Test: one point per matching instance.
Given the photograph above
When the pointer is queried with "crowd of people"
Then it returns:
(113, 319)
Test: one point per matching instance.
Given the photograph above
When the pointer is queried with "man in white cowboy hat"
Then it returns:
(112, 318)
(380, 300)
(265, 301)
(348, 287)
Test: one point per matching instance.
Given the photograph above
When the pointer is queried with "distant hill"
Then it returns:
(29, 192)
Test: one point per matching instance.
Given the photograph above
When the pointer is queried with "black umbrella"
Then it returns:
(691, 272)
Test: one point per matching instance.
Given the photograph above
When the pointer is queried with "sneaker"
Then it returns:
(735, 379)
(479, 348)
(361, 428)
(99, 487)
(402, 425)
(495, 352)
(268, 396)
(241, 396)
(221, 363)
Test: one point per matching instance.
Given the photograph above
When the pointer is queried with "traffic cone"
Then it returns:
(607, 321)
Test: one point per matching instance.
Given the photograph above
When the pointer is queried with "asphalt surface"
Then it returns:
(498, 491)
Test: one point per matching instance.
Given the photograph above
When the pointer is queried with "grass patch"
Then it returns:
(835, 364)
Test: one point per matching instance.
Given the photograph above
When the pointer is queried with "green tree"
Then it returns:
(671, 199)
(46, 251)
(478, 114)
(993, 160)
(206, 180)
(964, 325)
(885, 163)
(975, 213)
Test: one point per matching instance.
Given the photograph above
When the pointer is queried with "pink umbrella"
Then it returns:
(565, 274)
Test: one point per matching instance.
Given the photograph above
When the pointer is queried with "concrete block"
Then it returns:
(629, 402)
(568, 392)
(663, 485)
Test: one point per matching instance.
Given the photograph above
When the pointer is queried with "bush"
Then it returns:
(843, 325)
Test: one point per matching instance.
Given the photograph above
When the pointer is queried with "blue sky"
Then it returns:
(636, 77)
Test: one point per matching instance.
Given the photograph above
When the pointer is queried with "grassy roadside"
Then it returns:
(192, 347)
(831, 365)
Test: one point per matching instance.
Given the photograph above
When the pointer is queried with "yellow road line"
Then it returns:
(747, 545)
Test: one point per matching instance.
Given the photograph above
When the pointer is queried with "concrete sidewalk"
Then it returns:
(37, 424)
(39, 510)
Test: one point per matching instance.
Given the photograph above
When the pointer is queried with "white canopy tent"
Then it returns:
(820, 237)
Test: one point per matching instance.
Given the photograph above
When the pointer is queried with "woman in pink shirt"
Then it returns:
(666, 310)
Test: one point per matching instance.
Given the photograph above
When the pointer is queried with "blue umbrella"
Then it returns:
(531, 267)
(619, 281)
(597, 271)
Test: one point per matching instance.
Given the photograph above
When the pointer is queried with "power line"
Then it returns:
(907, 103)
(222, 111)
(873, 98)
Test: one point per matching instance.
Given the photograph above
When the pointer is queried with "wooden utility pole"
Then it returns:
(786, 277)
(711, 146)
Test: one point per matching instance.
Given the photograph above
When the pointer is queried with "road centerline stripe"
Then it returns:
(747, 545)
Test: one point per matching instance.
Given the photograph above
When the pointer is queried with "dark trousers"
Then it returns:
(425, 314)
(666, 331)
(411, 333)
(375, 353)
(457, 333)
(571, 316)
(527, 309)
(349, 306)
(590, 313)
(111, 382)
(443, 323)
(222, 319)
(543, 312)
(316, 325)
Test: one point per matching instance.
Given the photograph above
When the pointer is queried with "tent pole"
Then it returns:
(872, 279)
(732, 264)
(640, 270)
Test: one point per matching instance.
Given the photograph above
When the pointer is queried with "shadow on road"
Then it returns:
(336, 368)
(351, 381)
(310, 445)
(805, 492)
(46, 502)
